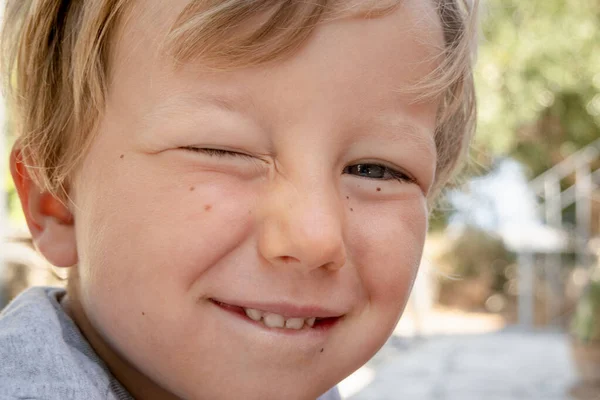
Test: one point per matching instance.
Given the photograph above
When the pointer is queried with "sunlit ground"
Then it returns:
(447, 321)
(438, 321)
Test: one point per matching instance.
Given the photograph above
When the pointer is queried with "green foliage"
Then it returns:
(538, 79)
(586, 322)
(476, 253)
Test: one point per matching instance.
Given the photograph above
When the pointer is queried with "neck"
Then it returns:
(138, 384)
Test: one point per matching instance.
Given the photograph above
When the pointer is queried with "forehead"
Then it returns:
(148, 25)
(346, 59)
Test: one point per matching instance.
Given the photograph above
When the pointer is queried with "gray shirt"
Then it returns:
(43, 355)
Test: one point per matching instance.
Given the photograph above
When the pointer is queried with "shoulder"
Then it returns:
(28, 322)
(29, 306)
(43, 353)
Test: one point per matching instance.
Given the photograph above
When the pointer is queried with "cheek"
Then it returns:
(389, 253)
(150, 225)
(386, 246)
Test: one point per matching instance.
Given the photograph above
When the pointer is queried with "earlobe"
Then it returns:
(49, 220)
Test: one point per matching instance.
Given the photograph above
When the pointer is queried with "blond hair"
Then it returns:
(56, 56)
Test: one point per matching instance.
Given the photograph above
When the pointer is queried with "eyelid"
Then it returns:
(217, 152)
(397, 171)
(401, 174)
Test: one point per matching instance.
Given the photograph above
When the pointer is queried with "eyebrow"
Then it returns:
(394, 129)
(399, 129)
(233, 103)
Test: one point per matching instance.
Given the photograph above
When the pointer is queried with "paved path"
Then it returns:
(508, 365)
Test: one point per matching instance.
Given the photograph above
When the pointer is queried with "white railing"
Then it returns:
(553, 201)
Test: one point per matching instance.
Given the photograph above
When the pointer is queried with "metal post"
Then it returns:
(554, 297)
(553, 261)
(552, 202)
(526, 290)
(583, 211)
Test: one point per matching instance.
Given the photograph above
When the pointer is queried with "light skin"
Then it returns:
(310, 217)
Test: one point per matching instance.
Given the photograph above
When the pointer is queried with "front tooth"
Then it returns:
(294, 323)
(274, 321)
(311, 321)
(253, 314)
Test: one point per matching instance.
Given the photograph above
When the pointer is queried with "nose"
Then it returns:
(302, 227)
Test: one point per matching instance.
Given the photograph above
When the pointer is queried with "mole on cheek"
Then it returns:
(352, 209)
(207, 207)
(143, 313)
(322, 350)
(379, 189)
(192, 189)
(347, 197)
(122, 156)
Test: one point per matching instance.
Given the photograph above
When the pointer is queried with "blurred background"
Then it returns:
(507, 302)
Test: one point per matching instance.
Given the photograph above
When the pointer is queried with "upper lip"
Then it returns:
(286, 310)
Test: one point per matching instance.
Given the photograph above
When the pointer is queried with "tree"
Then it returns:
(538, 79)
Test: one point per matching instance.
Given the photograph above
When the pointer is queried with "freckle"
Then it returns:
(143, 313)
(348, 197)
(352, 209)
(192, 189)
(122, 156)
(207, 207)
(249, 212)
(379, 189)
(322, 350)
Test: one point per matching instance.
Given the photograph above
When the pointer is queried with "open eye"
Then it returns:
(377, 172)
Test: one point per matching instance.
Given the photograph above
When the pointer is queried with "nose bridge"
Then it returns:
(315, 215)
(305, 223)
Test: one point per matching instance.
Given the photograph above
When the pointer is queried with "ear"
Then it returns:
(50, 222)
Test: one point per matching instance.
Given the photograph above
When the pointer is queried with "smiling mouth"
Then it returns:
(276, 321)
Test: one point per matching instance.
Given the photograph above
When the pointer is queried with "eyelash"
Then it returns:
(387, 172)
(391, 173)
(217, 152)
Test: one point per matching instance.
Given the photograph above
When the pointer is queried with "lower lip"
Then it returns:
(320, 326)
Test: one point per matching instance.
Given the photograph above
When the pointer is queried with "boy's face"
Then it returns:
(304, 216)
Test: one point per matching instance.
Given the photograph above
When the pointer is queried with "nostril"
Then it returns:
(329, 265)
(288, 259)
(334, 265)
